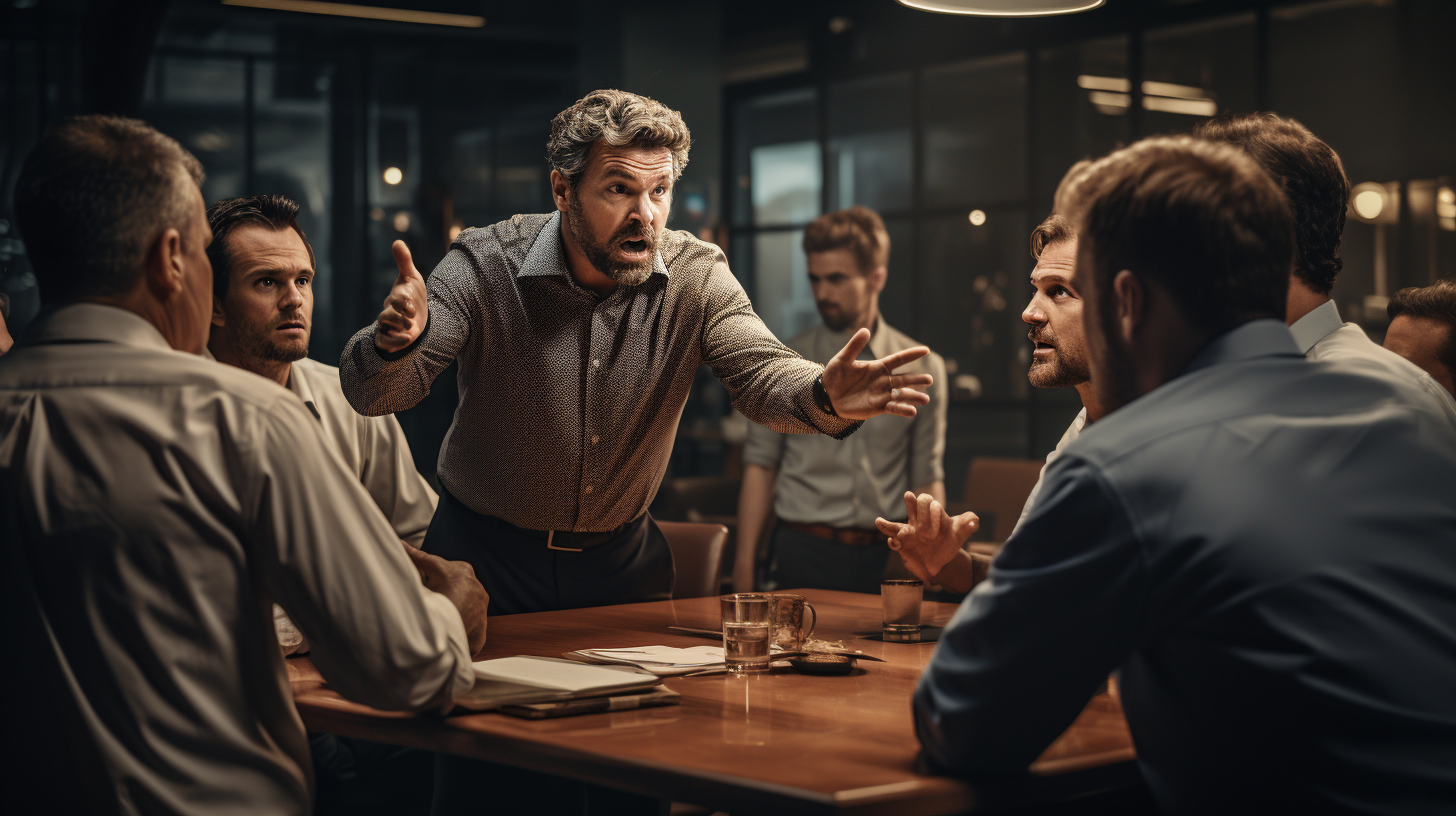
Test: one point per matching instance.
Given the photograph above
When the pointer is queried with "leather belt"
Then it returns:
(848, 536)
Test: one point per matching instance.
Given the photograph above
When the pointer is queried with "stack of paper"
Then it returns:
(660, 660)
(529, 679)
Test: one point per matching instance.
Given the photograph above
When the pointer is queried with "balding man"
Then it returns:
(153, 503)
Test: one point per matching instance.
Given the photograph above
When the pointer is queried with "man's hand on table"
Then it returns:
(860, 389)
(455, 580)
(406, 310)
(929, 539)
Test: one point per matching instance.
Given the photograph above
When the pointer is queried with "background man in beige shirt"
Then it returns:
(153, 504)
(826, 492)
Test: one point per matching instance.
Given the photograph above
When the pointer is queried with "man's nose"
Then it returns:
(1033, 314)
(643, 210)
(292, 295)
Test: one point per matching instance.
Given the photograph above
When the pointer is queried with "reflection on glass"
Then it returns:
(200, 103)
(1082, 100)
(1197, 70)
(870, 144)
(973, 288)
(785, 183)
(975, 131)
(781, 283)
(773, 133)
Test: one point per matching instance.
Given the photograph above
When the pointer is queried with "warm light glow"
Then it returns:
(1101, 83)
(1369, 204)
(455, 230)
(977, 218)
(1175, 91)
(1115, 100)
(401, 221)
(1192, 107)
(1004, 8)
(393, 175)
(367, 12)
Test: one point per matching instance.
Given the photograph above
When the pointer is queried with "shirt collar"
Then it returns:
(1257, 338)
(1316, 325)
(547, 256)
(878, 346)
(298, 384)
(95, 322)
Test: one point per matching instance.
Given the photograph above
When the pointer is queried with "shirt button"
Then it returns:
(588, 488)
(596, 363)
(595, 439)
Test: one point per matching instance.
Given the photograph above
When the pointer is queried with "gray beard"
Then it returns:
(600, 255)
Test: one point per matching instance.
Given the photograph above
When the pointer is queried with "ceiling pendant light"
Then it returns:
(1004, 8)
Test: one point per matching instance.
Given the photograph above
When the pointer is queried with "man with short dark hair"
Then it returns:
(1313, 179)
(579, 335)
(826, 493)
(153, 503)
(263, 272)
(1262, 545)
(1423, 329)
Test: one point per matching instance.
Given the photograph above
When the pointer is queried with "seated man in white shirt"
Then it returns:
(1423, 329)
(153, 504)
(1312, 177)
(263, 271)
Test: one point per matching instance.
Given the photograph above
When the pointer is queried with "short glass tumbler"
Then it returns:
(746, 625)
(901, 598)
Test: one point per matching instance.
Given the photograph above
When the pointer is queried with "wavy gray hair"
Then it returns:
(617, 118)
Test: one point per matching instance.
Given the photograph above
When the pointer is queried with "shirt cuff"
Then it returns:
(391, 356)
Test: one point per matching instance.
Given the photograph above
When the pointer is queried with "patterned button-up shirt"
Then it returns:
(569, 403)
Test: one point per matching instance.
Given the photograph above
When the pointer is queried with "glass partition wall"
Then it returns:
(962, 159)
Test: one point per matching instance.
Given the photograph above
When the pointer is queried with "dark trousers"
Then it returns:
(626, 565)
(354, 777)
(799, 560)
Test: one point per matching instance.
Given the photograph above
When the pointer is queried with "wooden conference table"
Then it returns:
(780, 742)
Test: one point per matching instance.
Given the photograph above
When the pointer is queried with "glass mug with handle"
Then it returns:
(787, 618)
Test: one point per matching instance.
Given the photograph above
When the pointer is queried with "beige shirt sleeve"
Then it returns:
(389, 475)
(378, 635)
(927, 436)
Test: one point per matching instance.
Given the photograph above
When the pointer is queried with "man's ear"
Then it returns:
(1130, 300)
(877, 279)
(559, 191)
(217, 315)
(165, 268)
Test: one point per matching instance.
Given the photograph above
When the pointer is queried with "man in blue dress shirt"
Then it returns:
(1263, 545)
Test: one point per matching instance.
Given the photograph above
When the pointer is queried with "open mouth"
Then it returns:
(634, 247)
(291, 326)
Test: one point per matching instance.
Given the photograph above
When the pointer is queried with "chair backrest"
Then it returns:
(996, 489)
(697, 553)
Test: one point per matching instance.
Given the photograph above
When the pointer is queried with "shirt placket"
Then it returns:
(595, 408)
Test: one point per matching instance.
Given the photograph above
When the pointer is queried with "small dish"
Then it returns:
(832, 664)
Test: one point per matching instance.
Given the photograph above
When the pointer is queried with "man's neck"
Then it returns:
(580, 267)
(1301, 301)
(272, 369)
(1089, 401)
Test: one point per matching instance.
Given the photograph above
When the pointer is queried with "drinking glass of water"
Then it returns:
(746, 623)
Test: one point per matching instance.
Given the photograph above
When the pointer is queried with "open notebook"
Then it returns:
(529, 679)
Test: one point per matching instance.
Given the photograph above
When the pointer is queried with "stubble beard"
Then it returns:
(1066, 368)
(633, 273)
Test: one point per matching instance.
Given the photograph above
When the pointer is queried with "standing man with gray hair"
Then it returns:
(578, 335)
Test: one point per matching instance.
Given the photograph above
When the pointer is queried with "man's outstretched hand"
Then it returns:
(405, 310)
(929, 538)
(455, 580)
(860, 389)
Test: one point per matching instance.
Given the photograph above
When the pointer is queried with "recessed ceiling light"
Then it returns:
(1004, 8)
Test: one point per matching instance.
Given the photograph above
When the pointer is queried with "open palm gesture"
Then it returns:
(860, 389)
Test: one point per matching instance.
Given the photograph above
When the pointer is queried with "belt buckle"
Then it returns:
(551, 534)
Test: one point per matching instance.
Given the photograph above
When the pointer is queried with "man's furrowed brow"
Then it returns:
(617, 171)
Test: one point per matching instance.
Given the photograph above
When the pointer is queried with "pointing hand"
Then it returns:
(405, 310)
